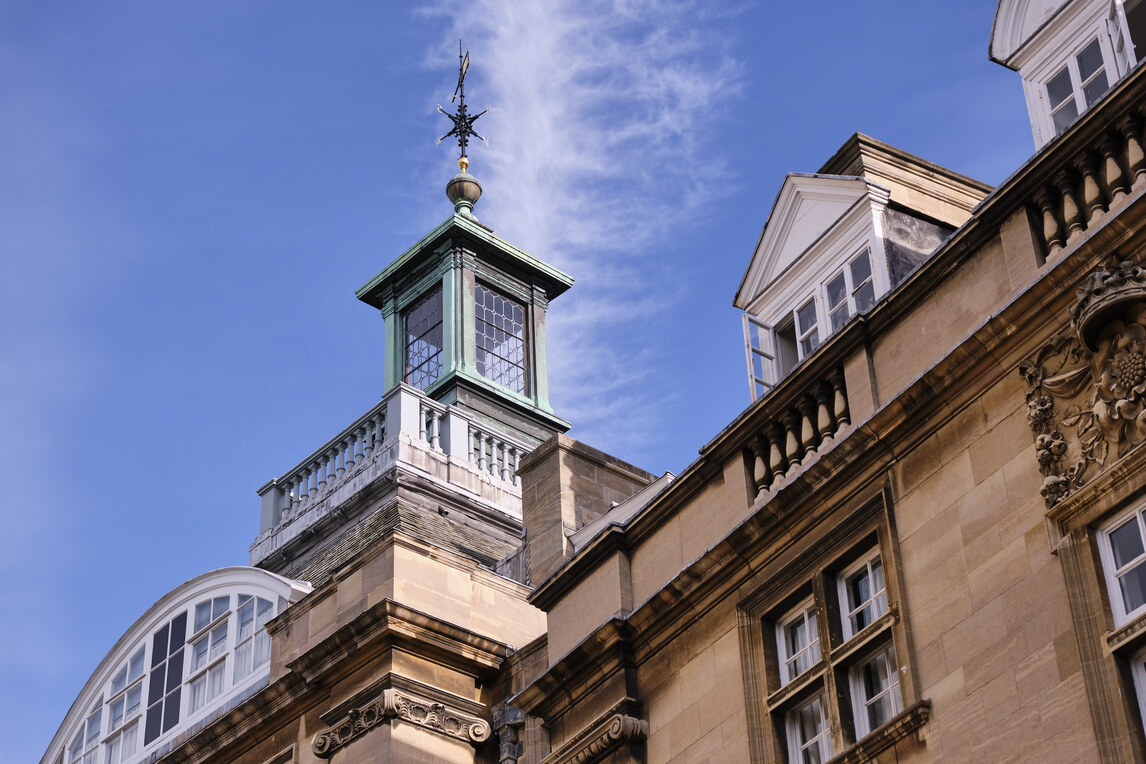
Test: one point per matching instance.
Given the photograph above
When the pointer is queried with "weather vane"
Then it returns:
(463, 122)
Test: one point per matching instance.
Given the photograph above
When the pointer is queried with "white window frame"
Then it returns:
(1110, 572)
(846, 609)
(214, 665)
(87, 741)
(823, 738)
(130, 721)
(850, 288)
(760, 346)
(1078, 86)
(805, 612)
(258, 632)
(861, 702)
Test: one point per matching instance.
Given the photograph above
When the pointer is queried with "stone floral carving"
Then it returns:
(610, 735)
(1086, 388)
(392, 704)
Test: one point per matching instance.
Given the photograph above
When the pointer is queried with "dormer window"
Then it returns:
(1077, 86)
(850, 291)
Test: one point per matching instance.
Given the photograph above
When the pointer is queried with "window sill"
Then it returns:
(862, 639)
(1126, 635)
(871, 745)
(797, 685)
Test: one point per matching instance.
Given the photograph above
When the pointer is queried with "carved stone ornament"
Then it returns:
(392, 704)
(612, 734)
(1086, 388)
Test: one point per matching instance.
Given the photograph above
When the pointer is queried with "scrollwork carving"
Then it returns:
(1086, 389)
(392, 704)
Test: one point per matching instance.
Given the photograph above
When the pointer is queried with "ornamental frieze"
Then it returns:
(392, 704)
(1086, 387)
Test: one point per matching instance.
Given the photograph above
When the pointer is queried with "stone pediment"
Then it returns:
(805, 209)
(1016, 21)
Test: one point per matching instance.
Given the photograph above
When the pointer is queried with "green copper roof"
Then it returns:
(552, 280)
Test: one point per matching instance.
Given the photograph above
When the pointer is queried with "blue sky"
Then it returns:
(191, 192)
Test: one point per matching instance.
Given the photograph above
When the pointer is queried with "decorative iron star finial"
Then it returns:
(463, 122)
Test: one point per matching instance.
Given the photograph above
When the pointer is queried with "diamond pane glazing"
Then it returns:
(499, 338)
(423, 329)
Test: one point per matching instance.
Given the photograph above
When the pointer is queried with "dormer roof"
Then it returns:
(806, 208)
(1016, 22)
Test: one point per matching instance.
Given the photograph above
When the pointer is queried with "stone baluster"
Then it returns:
(516, 453)
(322, 467)
(367, 439)
(352, 447)
(435, 430)
(1092, 200)
(1071, 215)
(791, 419)
(491, 455)
(304, 486)
(823, 396)
(504, 460)
(340, 461)
(759, 447)
(840, 400)
(1052, 234)
(1112, 176)
(292, 494)
(1131, 127)
(423, 411)
(481, 462)
(809, 439)
(776, 465)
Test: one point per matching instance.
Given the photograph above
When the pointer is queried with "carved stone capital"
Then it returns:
(600, 740)
(392, 704)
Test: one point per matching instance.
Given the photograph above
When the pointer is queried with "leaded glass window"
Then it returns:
(499, 329)
(423, 331)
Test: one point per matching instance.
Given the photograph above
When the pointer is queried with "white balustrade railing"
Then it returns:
(325, 469)
(404, 409)
(495, 454)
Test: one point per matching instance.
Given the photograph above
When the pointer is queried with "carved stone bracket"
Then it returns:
(1086, 388)
(614, 732)
(392, 704)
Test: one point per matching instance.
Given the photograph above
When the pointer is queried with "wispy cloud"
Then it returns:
(600, 151)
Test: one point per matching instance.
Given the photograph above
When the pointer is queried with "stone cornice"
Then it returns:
(602, 655)
(600, 739)
(394, 704)
(389, 623)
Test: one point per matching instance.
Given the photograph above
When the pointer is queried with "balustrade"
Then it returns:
(329, 466)
(1104, 171)
(495, 454)
(798, 428)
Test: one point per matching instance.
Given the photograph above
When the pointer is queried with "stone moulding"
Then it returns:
(593, 745)
(392, 704)
(912, 720)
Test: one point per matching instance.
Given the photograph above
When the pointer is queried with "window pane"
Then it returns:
(1133, 584)
(155, 686)
(1059, 88)
(202, 616)
(865, 297)
(1089, 60)
(262, 648)
(218, 641)
(171, 710)
(861, 269)
(134, 696)
(243, 660)
(198, 693)
(1126, 543)
(135, 669)
(219, 606)
(1064, 117)
(159, 646)
(499, 329)
(115, 715)
(199, 655)
(423, 332)
(154, 723)
(113, 750)
(810, 343)
(837, 291)
(1095, 89)
(806, 316)
(840, 317)
(246, 620)
(119, 681)
(265, 613)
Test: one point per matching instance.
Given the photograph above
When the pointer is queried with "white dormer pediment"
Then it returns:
(1016, 22)
(807, 208)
